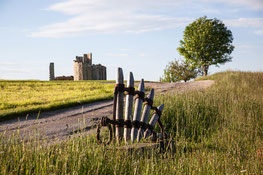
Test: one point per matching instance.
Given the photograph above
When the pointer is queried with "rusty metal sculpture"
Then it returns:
(138, 127)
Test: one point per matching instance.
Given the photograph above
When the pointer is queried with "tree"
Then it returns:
(177, 71)
(206, 42)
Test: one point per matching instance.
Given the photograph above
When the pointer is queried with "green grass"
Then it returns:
(22, 97)
(217, 131)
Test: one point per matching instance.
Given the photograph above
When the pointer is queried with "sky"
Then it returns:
(140, 36)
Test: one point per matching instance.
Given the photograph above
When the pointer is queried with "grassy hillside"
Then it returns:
(22, 97)
(217, 131)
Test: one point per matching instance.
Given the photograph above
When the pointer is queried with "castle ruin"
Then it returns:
(85, 70)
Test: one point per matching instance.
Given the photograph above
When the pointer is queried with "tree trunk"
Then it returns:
(205, 69)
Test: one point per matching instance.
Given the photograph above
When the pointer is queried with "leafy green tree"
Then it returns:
(177, 71)
(206, 42)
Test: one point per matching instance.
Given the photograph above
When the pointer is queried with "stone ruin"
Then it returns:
(51, 72)
(83, 70)
(63, 77)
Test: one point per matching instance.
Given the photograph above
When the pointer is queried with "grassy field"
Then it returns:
(217, 131)
(22, 97)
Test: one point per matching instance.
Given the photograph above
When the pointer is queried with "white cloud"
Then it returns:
(126, 16)
(258, 32)
(90, 6)
(245, 22)
(211, 11)
(17, 67)
(7, 63)
(117, 23)
(116, 16)
(252, 4)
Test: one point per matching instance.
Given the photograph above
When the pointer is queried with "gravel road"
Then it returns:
(61, 124)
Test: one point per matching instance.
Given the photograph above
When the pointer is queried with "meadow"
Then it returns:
(22, 97)
(217, 131)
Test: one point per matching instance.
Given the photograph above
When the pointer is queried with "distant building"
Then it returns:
(85, 70)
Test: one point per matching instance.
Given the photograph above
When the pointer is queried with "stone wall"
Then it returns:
(89, 72)
(64, 78)
(95, 72)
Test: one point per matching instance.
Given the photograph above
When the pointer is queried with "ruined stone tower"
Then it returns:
(85, 70)
(51, 72)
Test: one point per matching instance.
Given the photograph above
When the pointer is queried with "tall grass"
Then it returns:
(21, 97)
(217, 131)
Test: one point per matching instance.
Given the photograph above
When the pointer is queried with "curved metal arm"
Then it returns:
(104, 123)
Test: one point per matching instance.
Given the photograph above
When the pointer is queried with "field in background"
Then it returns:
(22, 97)
(217, 131)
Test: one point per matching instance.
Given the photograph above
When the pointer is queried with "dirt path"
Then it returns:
(61, 124)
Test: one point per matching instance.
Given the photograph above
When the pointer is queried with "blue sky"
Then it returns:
(141, 36)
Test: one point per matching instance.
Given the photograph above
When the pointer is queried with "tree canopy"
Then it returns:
(206, 42)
